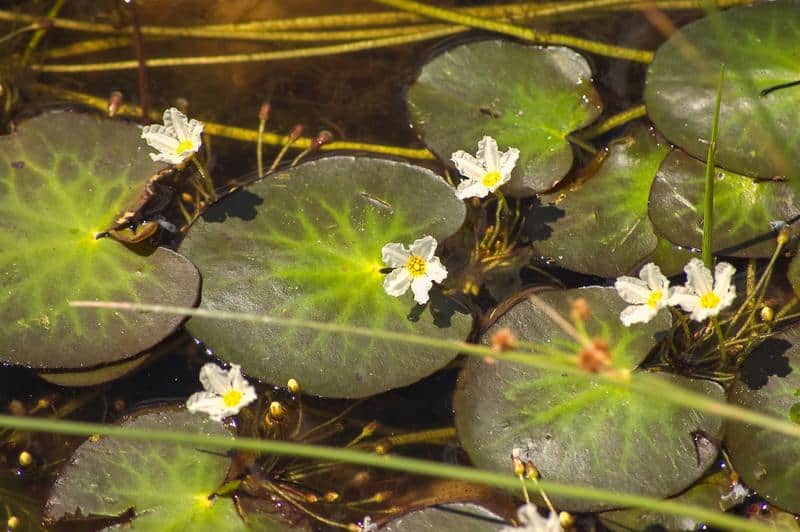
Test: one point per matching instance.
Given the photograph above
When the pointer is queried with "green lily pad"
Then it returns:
(671, 258)
(526, 97)
(758, 134)
(768, 383)
(166, 485)
(745, 211)
(712, 492)
(312, 250)
(464, 517)
(579, 431)
(600, 226)
(64, 177)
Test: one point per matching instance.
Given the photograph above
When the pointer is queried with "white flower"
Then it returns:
(367, 525)
(648, 294)
(737, 494)
(176, 140)
(530, 521)
(416, 267)
(486, 173)
(703, 296)
(225, 392)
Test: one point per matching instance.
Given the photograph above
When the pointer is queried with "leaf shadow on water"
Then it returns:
(539, 216)
(441, 308)
(767, 360)
(240, 204)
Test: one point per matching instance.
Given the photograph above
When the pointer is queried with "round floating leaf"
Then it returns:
(64, 177)
(464, 517)
(769, 383)
(671, 258)
(166, 485)
(600, 226)
(711, 492)
(312, 249)
(526, 97)
(746, 212)
(758, 134)
(584, 431)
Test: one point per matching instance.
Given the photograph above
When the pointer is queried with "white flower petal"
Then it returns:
(167, 158)
(531, 521)
(421, 286)
(214, 379)
(160, 138)
(698, 277)
(177, 121)
(488, 154)
(436, 270)
(651, 274)
(397, 282)
(196, 133)
(236, 380)
(467, 165)
(424, 247)
(723, 274)
(508, 161)
(471, 189)
(637, 314)
(395, 255)
(632, 290)
(681, 297)
(207, 403)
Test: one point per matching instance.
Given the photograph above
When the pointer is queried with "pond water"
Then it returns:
(536, 268)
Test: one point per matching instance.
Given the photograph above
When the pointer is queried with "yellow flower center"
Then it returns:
(183, 146)
(232, 398)
(654, 299)
(709, 300)
(416, 266)
(491, 179)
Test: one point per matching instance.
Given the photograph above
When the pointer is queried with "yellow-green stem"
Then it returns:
(253, 57)
(614, 121)
(39, 35)
(527, 34)
(723, 352)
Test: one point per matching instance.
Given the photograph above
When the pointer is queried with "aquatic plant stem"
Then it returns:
(527, 34)
(614, 121)
(254, 57)
(723, 352)
(208, 184)
(233, 132)
(390, 462)
(524, 11)
(39, 35)
(639, 382)
(708, 196)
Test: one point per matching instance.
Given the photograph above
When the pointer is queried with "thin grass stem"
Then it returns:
(639, 382)
(394, 463)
